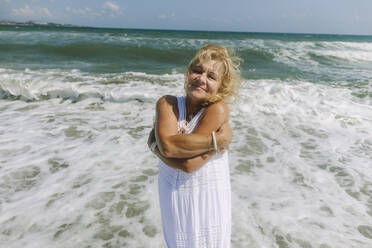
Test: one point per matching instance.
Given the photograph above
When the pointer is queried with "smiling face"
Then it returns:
(203, 80)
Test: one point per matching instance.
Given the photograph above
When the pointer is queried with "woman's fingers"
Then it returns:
(225, 133)
(151, 138)
(223, 126)
(223, 148)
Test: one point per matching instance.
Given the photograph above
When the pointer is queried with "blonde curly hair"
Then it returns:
(230, 79)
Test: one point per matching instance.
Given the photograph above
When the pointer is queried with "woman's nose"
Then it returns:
(203, 78)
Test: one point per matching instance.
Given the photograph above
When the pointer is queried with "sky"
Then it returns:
(289, 16)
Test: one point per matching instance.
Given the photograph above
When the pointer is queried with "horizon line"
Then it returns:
(67, 25)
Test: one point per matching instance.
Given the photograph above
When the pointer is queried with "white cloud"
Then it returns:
(35, 13)
(23, 12)
(167, 16)
(109, 9)
(46, 12)
(83, 12)
(113, 8)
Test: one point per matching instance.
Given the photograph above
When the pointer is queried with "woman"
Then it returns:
(191, 137)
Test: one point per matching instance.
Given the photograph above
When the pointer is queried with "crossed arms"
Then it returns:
(189, 152)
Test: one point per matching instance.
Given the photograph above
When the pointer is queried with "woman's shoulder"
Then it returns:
(217, 112)
(219, 107)
(167, 103)
(167, 99)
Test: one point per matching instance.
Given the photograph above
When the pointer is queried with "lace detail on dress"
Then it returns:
(205, 238)
(212, 175)
(183, 125)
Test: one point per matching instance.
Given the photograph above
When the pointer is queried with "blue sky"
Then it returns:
(295, 16)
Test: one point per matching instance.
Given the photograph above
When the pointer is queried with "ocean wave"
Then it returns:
(341, 51)
(38, 85)
(96, 41)
(265, 56)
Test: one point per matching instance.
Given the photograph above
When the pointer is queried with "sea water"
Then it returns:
(77, 104)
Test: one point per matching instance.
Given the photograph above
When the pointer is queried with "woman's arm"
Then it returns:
(187, 165)
(174, 145)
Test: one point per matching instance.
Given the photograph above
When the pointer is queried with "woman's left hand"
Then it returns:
(224, 136)
(151, 138)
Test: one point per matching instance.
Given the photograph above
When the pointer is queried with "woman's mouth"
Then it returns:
(198, 87)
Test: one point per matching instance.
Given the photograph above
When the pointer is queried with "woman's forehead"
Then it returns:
(209, 64)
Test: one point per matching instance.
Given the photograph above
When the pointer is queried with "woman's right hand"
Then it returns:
(224, 137)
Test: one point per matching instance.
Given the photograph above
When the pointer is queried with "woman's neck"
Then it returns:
(192, 108)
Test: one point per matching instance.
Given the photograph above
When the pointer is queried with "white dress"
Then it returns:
(196, 207)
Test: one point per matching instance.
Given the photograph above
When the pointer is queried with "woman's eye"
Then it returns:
(212, 77)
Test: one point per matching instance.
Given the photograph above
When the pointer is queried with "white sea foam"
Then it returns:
(75, 170)
(76, 85)
(301, 165)
(68, 38)
(338, 60)
(286, 51)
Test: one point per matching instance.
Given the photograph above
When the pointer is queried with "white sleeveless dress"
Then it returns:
(196, 207)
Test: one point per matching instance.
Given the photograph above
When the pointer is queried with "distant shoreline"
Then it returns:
(51, 24)
(34, 23)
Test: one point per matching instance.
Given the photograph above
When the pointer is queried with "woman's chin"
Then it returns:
(197, 96)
